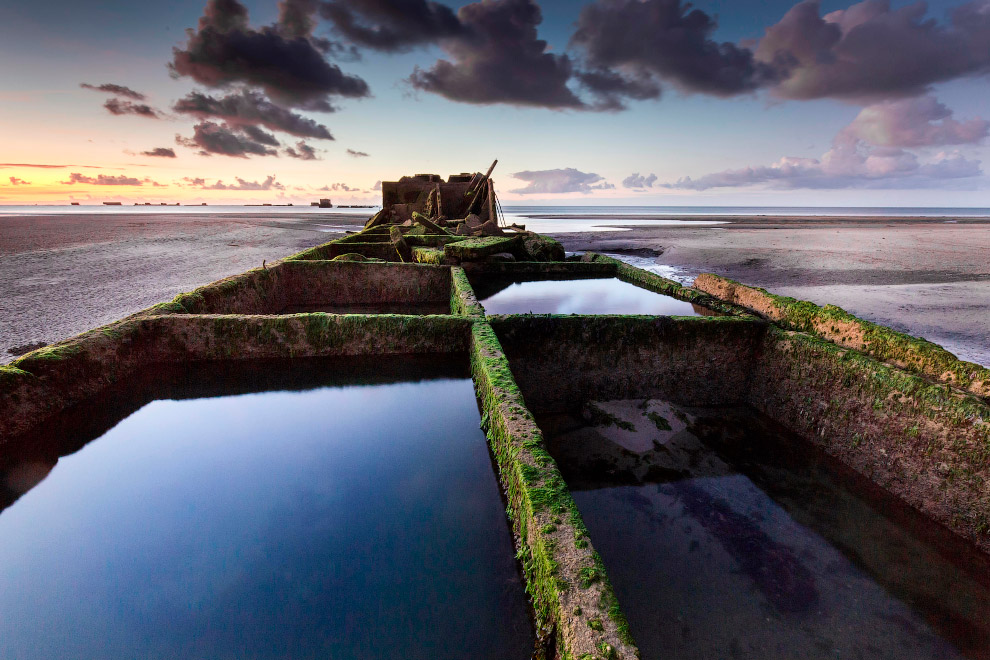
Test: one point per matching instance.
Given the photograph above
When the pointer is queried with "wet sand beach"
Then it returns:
(64, 274)
(929, 277)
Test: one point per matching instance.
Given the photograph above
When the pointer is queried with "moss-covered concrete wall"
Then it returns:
(561, 361)
(565, 576)
(838, 326)
(46, 381)
(927, 443)
(271, 289)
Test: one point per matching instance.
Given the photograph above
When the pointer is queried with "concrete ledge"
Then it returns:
(47, 381)
(560, 361)
(540, 268)
(926, 443)
(565, 576)
(838, 326)
(463, 301)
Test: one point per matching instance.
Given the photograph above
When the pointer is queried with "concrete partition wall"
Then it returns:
(43, 383)
(562, 361)
(927, 443)
(296, 283)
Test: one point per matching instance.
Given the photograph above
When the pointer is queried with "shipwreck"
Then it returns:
(591, 418)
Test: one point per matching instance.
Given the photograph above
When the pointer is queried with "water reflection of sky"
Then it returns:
(335, 522)
(583, 296)
(567, 225)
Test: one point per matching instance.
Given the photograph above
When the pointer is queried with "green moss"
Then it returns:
(600, 417)
(661, 422)
(596, 624)
(480, 247)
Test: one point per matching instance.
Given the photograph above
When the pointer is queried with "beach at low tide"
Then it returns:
(62, 274)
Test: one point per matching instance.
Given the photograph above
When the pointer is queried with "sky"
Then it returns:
(645, 102)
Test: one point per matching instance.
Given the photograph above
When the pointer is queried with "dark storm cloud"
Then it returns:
(392, 26)
(669, 40)
(302, 151)
(250, 107)
(14, 181)
(357, 154)
(162, 152)
(212, 138)
(566, 180)
(283, 59)
(121, 107)
(870, 51)
(635, 180)
(105, 180)
(500, 59)
(119, 90)
(610, 88)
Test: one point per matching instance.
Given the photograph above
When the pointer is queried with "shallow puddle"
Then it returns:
(727, 537)
(343, 510)
(598, 295)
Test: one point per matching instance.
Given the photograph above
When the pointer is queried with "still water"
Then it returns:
(726, 537)
(575, 296)
(353, 515)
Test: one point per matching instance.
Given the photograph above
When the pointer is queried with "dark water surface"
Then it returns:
(733, 539)
(600, 295)
(343, 510)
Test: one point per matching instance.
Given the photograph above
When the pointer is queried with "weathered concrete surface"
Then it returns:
(560, 361)
(565, 575)
(296, 283)
(838, 326)
(46, 381)
(926, 443)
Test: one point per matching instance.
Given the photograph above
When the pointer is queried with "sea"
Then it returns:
(551, 218)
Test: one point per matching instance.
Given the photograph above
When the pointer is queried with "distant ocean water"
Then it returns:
(543, 219)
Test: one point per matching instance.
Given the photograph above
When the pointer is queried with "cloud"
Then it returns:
(105, 180)
(377, 186)
(848, 164)
(302, 151)
(916, 122)
(667, 40)
(870, 51)
(240, 142)
(284, 59)
(500, 59)
(268, 184)
(163, 152)
(14, 181)
(610, 88)
(340, 187)
(120, 107)
(554, 182)
(357, 154)
(634, 180)
(119, 90)
(392, 26)
(250, 107)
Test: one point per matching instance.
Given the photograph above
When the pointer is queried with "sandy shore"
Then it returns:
(62, 275)
(927, 277)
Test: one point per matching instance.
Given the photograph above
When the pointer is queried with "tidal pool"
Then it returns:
(343, 509)
(727, 537)
(600, 295)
